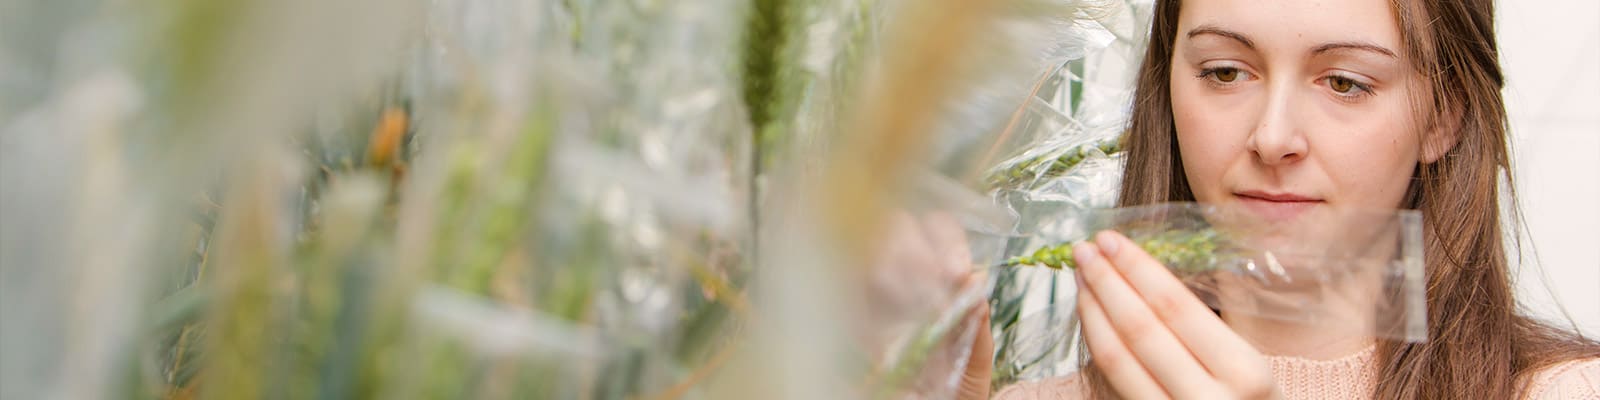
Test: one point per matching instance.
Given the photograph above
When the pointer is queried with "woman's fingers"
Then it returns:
(1146, 336)
(920, 266)
(949, 241)
(901, 269)
(1225, 354)
(1125, 372)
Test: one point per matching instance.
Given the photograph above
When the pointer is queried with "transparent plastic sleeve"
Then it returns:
(1355, 271)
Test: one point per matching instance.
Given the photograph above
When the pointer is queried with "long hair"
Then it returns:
(1479, 345)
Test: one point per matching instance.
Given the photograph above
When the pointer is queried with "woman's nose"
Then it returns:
(1277, 139)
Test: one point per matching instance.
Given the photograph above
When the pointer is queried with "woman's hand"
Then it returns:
(921, 266)
(1152, 338)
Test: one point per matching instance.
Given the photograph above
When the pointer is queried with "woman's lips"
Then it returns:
(1277, 206)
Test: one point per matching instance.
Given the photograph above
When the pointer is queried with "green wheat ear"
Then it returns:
(1186, 251)
(1058, 165)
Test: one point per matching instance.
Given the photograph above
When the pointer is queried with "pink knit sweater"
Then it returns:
(1350, 377)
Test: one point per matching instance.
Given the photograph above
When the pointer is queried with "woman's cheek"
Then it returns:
(1370, 174)
(1204, 173)
(1208, 140)
(1376, 166)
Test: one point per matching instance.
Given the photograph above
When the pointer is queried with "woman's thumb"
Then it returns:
(980, 365)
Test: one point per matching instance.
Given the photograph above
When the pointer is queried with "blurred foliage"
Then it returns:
(474, 199)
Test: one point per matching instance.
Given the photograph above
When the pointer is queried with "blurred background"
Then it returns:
(611, 199)
(1552, 66)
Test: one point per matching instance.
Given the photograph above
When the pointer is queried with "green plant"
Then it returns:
(1047, 166)
(1181, 250)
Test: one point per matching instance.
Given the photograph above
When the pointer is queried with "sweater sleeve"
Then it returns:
(1572, 380)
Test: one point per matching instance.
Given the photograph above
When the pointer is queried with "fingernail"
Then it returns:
(1084, 253)
(1108, 242)
(1077, 277)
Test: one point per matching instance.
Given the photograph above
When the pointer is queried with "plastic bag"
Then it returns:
(1356, 271)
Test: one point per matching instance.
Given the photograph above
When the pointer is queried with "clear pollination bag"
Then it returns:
(1357, 271)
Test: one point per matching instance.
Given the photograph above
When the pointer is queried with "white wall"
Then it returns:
(1551, 54)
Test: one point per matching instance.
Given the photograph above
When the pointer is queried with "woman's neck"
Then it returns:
(1327, 321)
(1274, 337)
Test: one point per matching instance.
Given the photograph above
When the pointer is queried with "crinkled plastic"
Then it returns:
(1352, 271)
(928, 361)
(931, 362)
(1078, 167)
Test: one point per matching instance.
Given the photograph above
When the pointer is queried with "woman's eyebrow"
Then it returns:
(1326, 47)
(1214, 30)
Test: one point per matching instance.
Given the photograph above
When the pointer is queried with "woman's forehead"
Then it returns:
(1292, 25)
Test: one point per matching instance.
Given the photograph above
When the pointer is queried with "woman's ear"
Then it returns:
(1442, 134)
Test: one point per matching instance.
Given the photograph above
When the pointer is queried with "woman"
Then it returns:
(1288, 106)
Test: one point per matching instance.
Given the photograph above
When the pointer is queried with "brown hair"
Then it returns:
(1478, 345)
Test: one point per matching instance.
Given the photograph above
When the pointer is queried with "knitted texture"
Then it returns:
(1571, 380)
(1348, 377)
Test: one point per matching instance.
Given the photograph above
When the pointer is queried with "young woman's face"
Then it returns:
(1287, 106)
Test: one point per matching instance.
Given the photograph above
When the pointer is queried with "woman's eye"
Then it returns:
(1226, 74)
(1346, 87)
(1341, 85)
